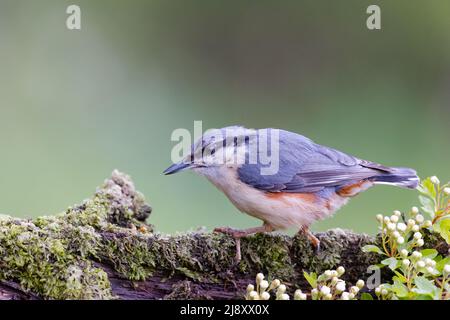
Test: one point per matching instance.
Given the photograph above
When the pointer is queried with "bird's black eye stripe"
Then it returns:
(203, 146)
(213, 151)
(224, 143)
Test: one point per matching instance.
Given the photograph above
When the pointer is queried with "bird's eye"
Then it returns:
(211, 150)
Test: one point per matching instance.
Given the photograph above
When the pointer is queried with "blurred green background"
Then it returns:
(74, 105)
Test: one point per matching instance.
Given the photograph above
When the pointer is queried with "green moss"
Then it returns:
(269, 254)
(51, 256)
(48, 262)
(129, 255)
(137, 256)
(200, 257)
(328, 257)
(125, 205)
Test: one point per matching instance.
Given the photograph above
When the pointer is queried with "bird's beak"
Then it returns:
(177, 167)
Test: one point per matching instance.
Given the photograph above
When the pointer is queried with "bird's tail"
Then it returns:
(400, 177)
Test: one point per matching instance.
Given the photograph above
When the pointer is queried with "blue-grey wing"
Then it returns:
(308, 167)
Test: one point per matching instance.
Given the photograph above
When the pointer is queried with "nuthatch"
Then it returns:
(310, 183)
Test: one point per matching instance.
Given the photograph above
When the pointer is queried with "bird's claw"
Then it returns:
(230, 231)
(315, 243)
(317, 248)
(237, 235)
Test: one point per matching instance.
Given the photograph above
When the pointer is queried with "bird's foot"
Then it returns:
(238, 234)
(316, 247)
(312, 238)
(232, 232)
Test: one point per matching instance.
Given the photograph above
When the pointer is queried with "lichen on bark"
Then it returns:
(53, 256)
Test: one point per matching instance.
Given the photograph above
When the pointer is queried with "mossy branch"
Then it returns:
(104, 249)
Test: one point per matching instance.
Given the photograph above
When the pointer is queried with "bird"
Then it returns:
(310, 182)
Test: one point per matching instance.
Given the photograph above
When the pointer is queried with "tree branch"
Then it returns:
(103, 249)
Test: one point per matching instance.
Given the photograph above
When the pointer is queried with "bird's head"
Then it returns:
(216, 148)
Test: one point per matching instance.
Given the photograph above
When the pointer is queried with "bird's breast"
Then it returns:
(282, 210)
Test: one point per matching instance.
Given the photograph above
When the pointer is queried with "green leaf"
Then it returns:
(399, 276)
(421, 189)
(425, 287)
(427, 188)
(429, 253)
(443, 228)
(372, 248)
(379, 265)
(400, 289)
(423, 297)
(392, 263)
(427, 205)
(441, 264)
(366, 296)
(311, 278)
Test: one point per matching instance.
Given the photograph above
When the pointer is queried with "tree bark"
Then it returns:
(104, 249)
